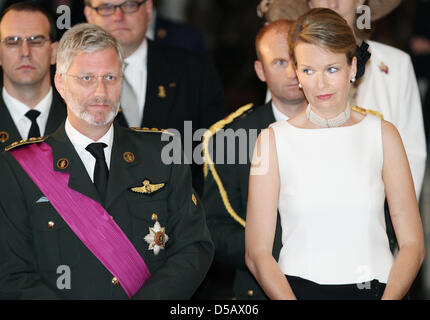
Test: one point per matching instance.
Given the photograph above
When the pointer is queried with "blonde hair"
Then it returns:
(279, 27)
(84, 38)
(324, 28)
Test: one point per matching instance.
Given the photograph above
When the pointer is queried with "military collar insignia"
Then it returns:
(128, 157)
(384, 68)
(156, 238)
(25, 142)
(4, 136)
(162, 92)
(147, 187)
(194, 199)
(161, 33)
(63, 163)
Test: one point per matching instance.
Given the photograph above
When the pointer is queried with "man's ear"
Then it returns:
(88, 12)
(54, 48)
(59, 84)
(259, 70)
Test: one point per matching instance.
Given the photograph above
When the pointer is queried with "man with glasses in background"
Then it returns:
(163, 86)
(29, 106)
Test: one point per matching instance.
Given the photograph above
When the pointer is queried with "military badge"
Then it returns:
(147, 187)
(63, 163)
(384, 68)
(4, 136)
(162, 92)
(156, 238)
(128, 157)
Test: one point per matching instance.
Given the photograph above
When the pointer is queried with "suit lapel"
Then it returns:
(121, 176)
(267, 117)
(8, 130)
(57, 113)
(62, 149)
(160, 90)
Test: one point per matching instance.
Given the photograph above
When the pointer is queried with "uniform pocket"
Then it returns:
(144, 215)
(55, 243)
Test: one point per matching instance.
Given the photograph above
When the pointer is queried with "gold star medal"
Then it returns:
(156, 238)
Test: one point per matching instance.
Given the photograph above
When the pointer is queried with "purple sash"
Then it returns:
(86, 217)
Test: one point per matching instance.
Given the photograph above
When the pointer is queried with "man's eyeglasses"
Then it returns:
(89, 80)
(108, 9)
(33, 41)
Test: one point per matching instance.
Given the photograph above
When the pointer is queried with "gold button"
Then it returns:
(115, 281)
(154, 216)
(250, 293)
(51, 224)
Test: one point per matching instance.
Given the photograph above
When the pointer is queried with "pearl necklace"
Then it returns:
(341, 119)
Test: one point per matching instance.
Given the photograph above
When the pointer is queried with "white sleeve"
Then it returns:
(410, 124)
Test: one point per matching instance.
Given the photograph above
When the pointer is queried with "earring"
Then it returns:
(352, 80)
(300, 86)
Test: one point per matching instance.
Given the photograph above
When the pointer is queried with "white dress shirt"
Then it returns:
(279, 116)
(136, 74)
(80, 142)
(17, 110)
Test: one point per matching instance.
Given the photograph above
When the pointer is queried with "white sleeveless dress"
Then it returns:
(331, 203)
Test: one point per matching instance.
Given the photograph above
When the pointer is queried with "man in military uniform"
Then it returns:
(29, 106)
(226, 186)
(163, 86)
(92, 212)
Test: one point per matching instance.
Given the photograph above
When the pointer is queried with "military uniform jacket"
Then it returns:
(8, 130)
(227, 233)
(35, 240)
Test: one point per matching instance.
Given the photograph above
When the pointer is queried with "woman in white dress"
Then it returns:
(328, 171)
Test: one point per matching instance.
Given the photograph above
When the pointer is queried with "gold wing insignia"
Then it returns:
(147, 187)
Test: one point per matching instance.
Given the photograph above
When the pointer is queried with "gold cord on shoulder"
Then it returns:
(209, 164)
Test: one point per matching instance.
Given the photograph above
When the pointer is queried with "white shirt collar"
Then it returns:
(279, 116)
(20, 109)
(138, 59)
(17, 110)
(80, 141)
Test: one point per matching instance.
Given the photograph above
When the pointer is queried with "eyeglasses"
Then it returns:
(33, 41)
(108, 9)
(90, 81)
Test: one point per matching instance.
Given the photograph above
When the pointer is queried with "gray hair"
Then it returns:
(84, 38)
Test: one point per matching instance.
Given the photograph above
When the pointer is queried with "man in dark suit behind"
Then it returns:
(29, 106)
(226, 187)
(163, 86)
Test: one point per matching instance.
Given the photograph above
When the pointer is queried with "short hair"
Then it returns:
(85, 38)
(323, 28)
(281, 26)
(31, 7)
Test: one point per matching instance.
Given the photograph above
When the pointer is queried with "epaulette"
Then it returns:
(208, 161)
(152, 130)
(24, 142)
(365, 111)
(239, 113)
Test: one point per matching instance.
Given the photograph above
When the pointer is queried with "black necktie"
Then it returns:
(34, 129)
(101, 170)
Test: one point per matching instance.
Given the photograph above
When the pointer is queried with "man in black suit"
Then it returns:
(29, 106)
(226, 186)
(163, 86)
